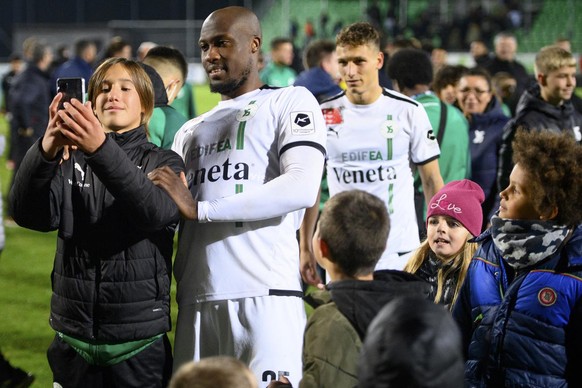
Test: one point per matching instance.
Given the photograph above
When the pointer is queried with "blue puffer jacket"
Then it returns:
(525, 332)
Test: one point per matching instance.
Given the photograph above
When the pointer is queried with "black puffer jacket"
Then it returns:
(111, 275)
(533, 113)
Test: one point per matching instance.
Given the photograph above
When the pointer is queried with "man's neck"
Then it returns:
(366, 98)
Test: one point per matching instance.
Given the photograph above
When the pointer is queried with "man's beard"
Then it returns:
(230, 85)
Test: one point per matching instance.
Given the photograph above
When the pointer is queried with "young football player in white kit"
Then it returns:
(372, 136)
(254, 163)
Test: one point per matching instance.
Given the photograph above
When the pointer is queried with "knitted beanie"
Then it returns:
(460, 200)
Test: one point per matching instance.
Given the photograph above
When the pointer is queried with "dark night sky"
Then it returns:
(29, 12)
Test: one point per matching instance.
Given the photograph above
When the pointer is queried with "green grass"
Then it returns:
(25, 288)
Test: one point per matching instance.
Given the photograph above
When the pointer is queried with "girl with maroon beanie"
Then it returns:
(453, 217)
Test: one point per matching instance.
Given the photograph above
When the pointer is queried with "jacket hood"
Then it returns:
(318, 82)
(360, 301)
(531, 100)
(160, 96)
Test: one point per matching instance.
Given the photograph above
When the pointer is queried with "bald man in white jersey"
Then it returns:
(253, 164)
(372, 136)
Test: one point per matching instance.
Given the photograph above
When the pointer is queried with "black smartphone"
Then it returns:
(71, 88)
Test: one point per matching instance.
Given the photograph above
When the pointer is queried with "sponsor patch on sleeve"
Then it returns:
(302, 123)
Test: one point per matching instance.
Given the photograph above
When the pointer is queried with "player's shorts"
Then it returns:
(265, 332)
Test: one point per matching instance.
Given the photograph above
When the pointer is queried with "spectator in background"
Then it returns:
(505, 45)
(16, 66)
(10, 376)
(185, 102)
(28, 47)
(411, 73)
(81, 65)
(438, 57)
(214, 372)
(479, 52)
(480, 105)
(567, 45)
(564, 43)
(278, 71)
(62, 54)
(117, 47)
(504, 88)
(143, 50)
(389, 49)
(445, 83)
(171, 66)
(321, 76)
(30, 99)
(545, 106)
(412, 343)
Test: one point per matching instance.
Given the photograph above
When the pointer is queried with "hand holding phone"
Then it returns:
(71, 88)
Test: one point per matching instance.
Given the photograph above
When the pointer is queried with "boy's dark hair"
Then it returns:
(410, 67)
(316, 51)
(412, 343)
(447, 75)
(358, 34)
(276, 42)
(171, 55)
(355, 226)
(552, 163)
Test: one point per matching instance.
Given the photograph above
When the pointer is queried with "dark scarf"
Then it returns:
(524, 243)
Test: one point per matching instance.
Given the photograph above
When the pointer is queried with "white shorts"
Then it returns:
(265, 332)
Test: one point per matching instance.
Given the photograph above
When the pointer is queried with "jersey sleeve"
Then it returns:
(301, 121)
(423, 143)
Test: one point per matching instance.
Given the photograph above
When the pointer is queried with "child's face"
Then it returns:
(516, 203)
(448, 94)
(446, 236)
(558, 85)
(117, 104)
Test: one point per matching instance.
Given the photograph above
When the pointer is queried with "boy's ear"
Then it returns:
(324, 248)
(541, 78)
(550, 214)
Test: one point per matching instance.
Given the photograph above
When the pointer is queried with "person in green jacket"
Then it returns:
(278, 72)
(170, 64)
(412, 74)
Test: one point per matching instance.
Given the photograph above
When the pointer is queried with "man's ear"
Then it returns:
(256, 44)
(380, 60)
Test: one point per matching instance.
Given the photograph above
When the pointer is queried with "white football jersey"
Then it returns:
(370, 147)
(245, 244)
